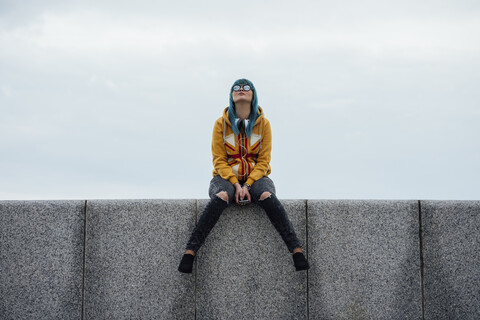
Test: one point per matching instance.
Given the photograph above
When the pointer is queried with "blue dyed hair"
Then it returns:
(232, 115)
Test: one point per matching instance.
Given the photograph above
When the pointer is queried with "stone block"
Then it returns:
(365, 257)
(41, 259)
(244, 269)
(132, 254)
(451, 254)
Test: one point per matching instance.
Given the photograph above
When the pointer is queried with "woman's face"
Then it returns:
(242, 96)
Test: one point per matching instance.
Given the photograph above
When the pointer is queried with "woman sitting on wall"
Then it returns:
(241, 148)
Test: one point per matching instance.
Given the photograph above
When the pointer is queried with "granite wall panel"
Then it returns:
(365, 257)
(245, 271)
(132, 253)
(451, 252)
(41, 259)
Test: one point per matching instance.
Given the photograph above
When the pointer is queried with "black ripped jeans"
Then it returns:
(272, 206)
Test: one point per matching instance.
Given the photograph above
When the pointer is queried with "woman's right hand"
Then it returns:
(241, 193)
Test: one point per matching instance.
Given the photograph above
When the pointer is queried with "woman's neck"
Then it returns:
(242, 109)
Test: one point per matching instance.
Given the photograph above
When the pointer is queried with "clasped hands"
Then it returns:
(241, 193)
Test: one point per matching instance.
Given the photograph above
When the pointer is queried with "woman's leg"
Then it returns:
(207, 221)
(220, 192)
(279, 218)
(263, 192)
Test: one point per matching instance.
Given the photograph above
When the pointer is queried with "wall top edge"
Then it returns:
(205, 199)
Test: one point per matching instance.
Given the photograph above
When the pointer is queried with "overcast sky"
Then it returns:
(117, 99)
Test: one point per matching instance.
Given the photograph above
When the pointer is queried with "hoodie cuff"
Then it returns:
(233, 180)
(250, 181)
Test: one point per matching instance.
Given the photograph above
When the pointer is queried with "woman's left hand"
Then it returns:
(245, 194)
(242, 193)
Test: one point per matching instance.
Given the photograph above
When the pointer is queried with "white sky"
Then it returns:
(117, 99)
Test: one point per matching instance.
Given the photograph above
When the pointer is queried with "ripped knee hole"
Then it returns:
(223, 195)
(265, 195)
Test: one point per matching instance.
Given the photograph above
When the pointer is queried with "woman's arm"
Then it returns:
(220, 155)
(262, 165)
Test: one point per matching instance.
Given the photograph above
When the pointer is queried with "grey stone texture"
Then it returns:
(118, 259)
(365, 257)
(132, 254)
(41, 259)
(244, 269)
(451, 252)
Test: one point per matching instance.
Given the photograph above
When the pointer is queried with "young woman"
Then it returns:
(241, 148)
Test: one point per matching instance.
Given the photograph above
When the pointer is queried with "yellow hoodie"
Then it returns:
(238, 158)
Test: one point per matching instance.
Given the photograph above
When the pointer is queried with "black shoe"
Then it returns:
(300, 262)
(186, 265)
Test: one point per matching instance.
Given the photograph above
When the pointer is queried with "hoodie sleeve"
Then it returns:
(262, 166)
(220, 155)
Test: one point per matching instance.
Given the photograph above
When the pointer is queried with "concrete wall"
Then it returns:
(117, 259)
